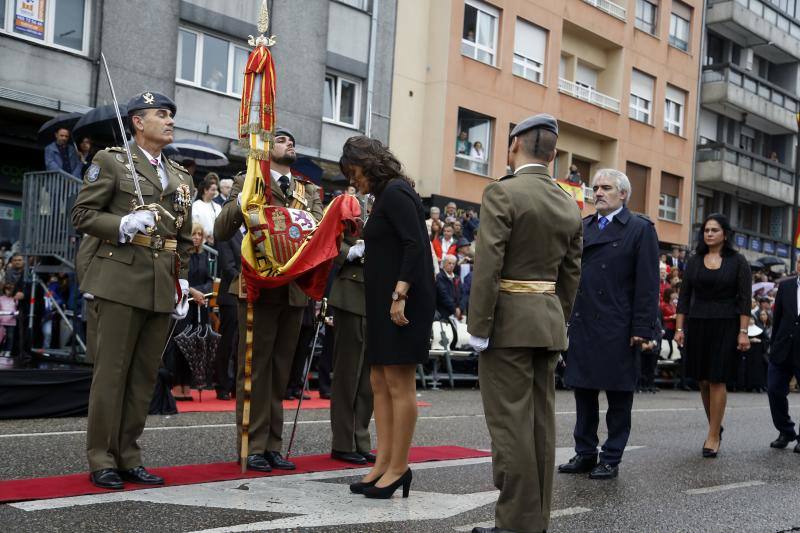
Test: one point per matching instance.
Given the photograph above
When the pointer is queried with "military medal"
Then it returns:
(182, 201)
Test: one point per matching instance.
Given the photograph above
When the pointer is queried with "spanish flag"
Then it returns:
(576, 191)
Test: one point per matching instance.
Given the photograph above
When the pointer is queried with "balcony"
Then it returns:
(588, 94)
(731, 91)
(609, 7)
(737, 172)
(755, 23)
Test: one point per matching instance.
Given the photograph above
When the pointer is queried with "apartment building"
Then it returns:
(333, 62)
(621, 78)
(748, 122)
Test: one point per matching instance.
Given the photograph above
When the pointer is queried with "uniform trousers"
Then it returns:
(351, 392)
(127, 353)
(618, 420)
(229, 324)
(276, 327)
(518, 392)
(778, 377)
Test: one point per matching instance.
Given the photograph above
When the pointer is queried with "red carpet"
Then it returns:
(16, 490)
(210, 403)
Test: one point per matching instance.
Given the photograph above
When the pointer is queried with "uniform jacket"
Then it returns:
(617, 299)
(785, 324)
(530, 230)
(347, 292)
(230, 266)
(230, 220)
(127, 273)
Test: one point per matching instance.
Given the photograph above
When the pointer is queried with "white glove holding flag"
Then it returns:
(182, 305)
(479, 344)
(136, 222)
(356, 251)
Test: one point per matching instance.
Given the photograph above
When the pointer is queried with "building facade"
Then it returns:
(333, 64)
(748, 122)
(621, 78)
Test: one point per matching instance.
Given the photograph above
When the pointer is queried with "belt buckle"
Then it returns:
(157, 242)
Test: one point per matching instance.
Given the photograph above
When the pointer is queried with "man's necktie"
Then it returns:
(284, 182)
(154, 162)
(603, 222)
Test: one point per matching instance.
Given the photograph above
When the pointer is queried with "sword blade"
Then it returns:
(136, 186)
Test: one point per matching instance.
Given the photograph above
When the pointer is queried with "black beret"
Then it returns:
(149, 100)
(543, 121)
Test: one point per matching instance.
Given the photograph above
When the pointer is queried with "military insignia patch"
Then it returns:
(148, 98)
(92, 172)
(119, 158)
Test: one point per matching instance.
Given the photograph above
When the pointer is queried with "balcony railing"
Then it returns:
(588, 94)
(609, 7)
(749, 161)
(734, 75)
(768, 12)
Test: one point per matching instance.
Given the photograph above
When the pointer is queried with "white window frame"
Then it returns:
(642, 24)
(532, 70)
(670, 125)
(677, 41)
(198, 62)
(49, 25)
(488, 11)
(467, 163)
(640, 109)
(667, 211)
(337, 101)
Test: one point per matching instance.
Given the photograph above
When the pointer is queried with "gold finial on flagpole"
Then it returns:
(262, 26)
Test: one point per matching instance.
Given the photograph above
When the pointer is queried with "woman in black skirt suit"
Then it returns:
(715, 295)
(400, 303)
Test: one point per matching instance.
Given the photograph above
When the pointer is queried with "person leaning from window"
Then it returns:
(715, 296)
(463, 145)
(400, 303)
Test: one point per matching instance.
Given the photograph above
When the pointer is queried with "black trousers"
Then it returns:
(227, 348)
(300, 355)
(778, 378)
(618, 420)
(325, 364)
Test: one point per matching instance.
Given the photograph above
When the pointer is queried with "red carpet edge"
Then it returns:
(17, 490)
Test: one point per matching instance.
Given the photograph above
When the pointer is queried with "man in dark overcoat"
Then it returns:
(615, 312)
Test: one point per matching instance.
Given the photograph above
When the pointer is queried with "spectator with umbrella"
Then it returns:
(201, 154)
(62, 155)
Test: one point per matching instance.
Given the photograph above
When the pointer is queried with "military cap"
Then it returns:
(149, 100)
(542, 121)
(285, 132)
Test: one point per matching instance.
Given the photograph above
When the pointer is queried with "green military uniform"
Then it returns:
(86, 251)
(277, 317)
(351, 392)
(530, 231)
(135, 291)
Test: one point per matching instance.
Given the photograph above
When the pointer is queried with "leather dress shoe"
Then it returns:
(223, 396)
(782, 441)
(258, 462)
(349, 457)
(276, 461)
(580, 464)
(141, 476)
(604, 471)
(490, 530)
(325, 395)
(106, 478)
(369, 456)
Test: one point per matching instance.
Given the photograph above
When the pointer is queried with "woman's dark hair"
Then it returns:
(206, 184)
(377, 163)
(727, 245)
(667, 294)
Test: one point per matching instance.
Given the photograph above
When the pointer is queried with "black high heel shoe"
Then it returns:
(388, 491)
(359, 486)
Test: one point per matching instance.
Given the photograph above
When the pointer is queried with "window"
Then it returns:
(210, 62)
(747, 214)
(646, 15)
(641, 104)
(747, 139)
(674, 105)
(57, 23)
(669, 200)
(479, 36)
(473, 142)
(702, 208)
(530, 46)
(679, 25)
(638, 175)
(586, 76)
(342, 100)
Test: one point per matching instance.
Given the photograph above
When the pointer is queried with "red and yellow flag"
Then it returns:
(574, 190)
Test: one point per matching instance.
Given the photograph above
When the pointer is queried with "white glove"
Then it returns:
(182, 304)
(356, 251)
(136, 222)
(479, 344)
(88, 296)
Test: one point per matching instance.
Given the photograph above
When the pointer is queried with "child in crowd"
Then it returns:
(8, 319)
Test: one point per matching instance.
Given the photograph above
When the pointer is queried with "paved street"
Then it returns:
(664, 484)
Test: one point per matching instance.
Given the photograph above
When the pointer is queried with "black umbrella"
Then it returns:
(198, 344)
(101, 124)
(770, 260)
(49, 128)
(757, 265)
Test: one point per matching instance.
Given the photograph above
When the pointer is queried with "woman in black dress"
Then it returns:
(715, 294)
(400, 303)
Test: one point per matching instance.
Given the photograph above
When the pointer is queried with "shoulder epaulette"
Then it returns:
(120, 150)
(177, 165)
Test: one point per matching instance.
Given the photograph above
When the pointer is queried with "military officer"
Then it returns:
(136, 271)
(351, 393)
(277, 314)
(521, 298)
